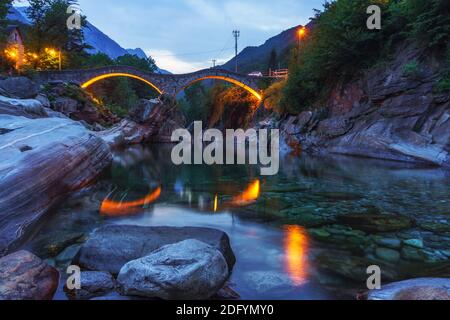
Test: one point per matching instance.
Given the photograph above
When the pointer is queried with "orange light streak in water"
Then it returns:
(115, 208)
(296, 260)
(216, 203)
(250, 195)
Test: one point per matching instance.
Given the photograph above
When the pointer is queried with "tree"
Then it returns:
(273, 60)
(4, 8)
(49, 30)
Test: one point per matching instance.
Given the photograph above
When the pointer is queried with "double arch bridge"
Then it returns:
(170, 84)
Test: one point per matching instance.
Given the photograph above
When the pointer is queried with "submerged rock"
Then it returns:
(267, 282)
(23, 276)
(186, 270)
(93, 284)
(109, 248)
(416, 289)
(376, 222)
(41, 161)
(386, 254)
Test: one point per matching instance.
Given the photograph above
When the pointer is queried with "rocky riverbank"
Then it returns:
(389, 113)
(129, 262)
(53, 141)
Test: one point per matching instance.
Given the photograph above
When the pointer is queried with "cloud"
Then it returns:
(165, 59)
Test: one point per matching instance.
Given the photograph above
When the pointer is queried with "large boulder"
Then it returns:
(41, 161)
(18, 87)
(415, 289)
(186, 270)
(29, 108)
(109, 248)
(23, 276)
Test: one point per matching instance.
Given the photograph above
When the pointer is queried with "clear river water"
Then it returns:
(309, 232)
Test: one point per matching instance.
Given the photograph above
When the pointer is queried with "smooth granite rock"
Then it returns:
(41, 161)
(188, 270)
(109, 248)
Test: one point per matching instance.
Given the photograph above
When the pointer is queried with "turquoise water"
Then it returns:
(299, 239)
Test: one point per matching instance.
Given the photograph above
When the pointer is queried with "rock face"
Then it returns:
(151, 121)
(18, 88)
(23, 276)
(385, 115)
(93, 284)
(416, 289)
(110, 248)
(186, 270)
(77, 104)
(29, 108)
(41, 161)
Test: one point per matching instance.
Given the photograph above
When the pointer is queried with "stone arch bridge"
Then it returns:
(170, 84)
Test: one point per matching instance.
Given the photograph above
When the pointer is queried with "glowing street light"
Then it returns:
(54, 53)
(302, 32)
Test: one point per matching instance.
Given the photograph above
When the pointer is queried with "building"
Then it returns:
(15, 46)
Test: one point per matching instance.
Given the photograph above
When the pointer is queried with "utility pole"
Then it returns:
(236, 34)
(214, 63)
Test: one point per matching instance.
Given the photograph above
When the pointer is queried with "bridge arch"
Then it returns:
(224, 78)
(118, 74)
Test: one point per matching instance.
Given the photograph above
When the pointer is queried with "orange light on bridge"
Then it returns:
(115, 209)
(296, 260)
(250, 195)
(112, 75)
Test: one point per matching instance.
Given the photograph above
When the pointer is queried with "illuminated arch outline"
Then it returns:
(120, 74)
(233, 81)
(112, 75)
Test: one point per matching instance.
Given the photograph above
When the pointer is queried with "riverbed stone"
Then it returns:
(376, 223)
(415, 243)
(186, 270)
(387, 254)
(391, 243)
(352, 267)
(415, 289)
(93, 284)
(109, 248)
(23, 276)
(413, 254)
(267, 282)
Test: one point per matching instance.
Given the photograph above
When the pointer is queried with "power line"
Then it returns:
(191, 53)
(236, 35)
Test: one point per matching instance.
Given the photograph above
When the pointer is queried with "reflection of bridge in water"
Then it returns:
(170, 84)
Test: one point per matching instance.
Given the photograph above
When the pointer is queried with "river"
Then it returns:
(285, 230)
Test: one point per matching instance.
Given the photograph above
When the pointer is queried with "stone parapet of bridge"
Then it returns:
(170, 84)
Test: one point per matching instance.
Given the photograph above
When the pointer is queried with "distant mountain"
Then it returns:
(137, 52)
(257, 58)
(99, 41)
(17, 14)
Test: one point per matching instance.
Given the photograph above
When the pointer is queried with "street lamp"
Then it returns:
(55, 53)
(301, 34)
